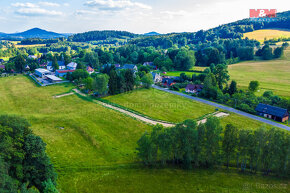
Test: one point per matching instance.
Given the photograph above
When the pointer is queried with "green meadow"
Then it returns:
(177, 73)
(94, 148)
(169, 107)
(273, 75)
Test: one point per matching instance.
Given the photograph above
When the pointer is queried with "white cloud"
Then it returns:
(25, 5)
(115, 4)
(49, 4)
(37, 12)
(176, 13)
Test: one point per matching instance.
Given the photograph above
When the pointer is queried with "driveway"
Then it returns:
(225, 108)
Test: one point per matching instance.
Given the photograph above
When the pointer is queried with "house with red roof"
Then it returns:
(90, 70)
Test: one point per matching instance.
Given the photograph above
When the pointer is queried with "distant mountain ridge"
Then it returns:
(32, 33)
(153, 33)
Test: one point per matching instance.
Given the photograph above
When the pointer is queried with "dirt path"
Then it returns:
(63, 95)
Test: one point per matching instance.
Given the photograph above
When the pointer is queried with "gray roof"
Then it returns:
(52, 77)
(271, 110)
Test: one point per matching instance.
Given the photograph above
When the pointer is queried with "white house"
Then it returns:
(41, 72)
(32, 57)
(72, 66)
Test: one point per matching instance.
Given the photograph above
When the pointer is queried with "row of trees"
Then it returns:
(23, 160)
(210, 145)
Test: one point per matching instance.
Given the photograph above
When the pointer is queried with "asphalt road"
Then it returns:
(226, 108)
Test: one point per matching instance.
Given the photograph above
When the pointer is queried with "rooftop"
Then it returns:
(42, 70)
(272, 110)
(52, 77)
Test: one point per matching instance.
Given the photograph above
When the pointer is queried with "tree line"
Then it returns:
(24, 163)
(210, 145)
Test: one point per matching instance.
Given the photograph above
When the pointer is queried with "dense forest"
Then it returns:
(24, 164)
(101, 35)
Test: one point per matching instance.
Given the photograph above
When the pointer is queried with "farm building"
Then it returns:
(41, 72)
(62, 73)
(72, 66)
(193, 88)
(53, 79)
(271, 112)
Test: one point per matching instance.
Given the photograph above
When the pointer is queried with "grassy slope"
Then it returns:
(168, 107)
(161, 105)
(95, 150)
(273, 74)
(260, 35)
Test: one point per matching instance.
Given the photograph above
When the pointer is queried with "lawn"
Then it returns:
(177, 73)
(124, 180)
(94, 148)
(162, 105)
(260, 35)
(273, 74)
(169, 107)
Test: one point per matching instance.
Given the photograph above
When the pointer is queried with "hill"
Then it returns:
(273, 75)
(266, 34)
(101, 35)
(32, 33)
(152, 34)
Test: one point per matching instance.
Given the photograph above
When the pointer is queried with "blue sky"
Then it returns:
(138, 16)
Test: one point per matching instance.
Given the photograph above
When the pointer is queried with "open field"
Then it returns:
(260, 35)
(169, 107)
(29, 46)
(5, 58)
(161, 105)
(124, 180)
(93, 148)
(273, 74)
(177, 73)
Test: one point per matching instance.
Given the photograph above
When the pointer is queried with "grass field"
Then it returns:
(93, 148)
(5, 58)
(260, 35)
(177, 73)
(169, 107)
(161, 105)
(29, 46)
(273, 74)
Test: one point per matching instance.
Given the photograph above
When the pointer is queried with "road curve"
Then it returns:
(225, 108)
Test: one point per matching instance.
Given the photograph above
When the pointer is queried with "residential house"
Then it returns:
(41, 72)
(62, 73)
(90, 70)
(272, 112)
(27, 67)
(61, 66)
(72, 66)
(130, 67)
(150, 64)
(1, 61)
(2, 67)
(194, 88)
(33, 57)
(168, 82)
(156, 77)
